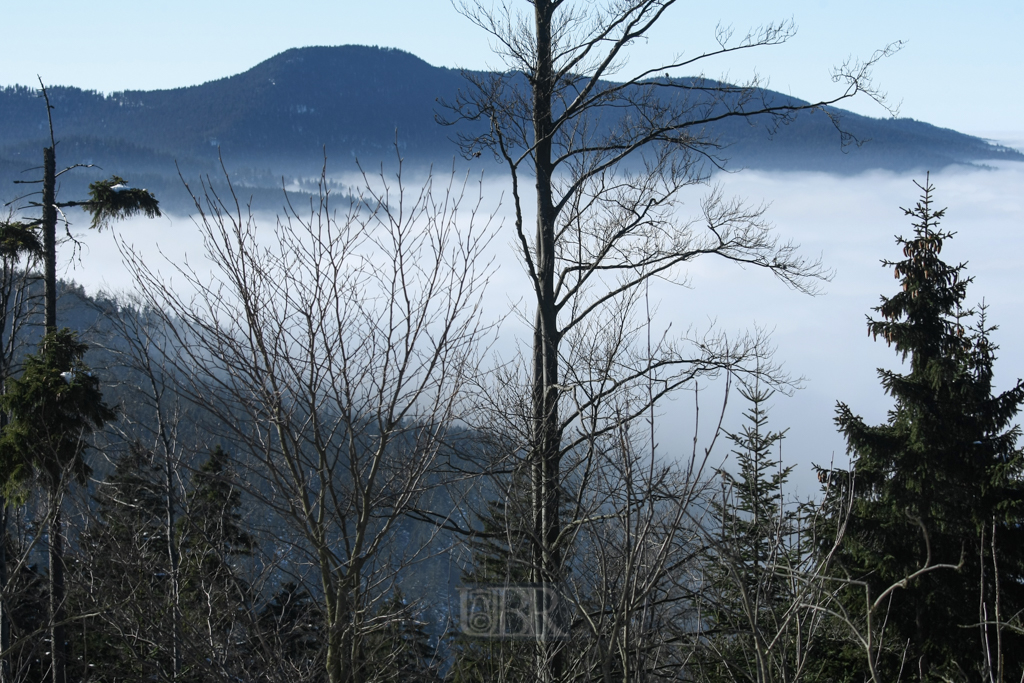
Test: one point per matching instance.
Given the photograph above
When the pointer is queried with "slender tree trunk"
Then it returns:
(547, 437)
(58, 636)
(344, 661)
(334, 654)
(56, 549)
(334, 632)
(1000, 673)
(923, 662)
(172, 556)
(8, 352)
(49, 239)
(5, 624)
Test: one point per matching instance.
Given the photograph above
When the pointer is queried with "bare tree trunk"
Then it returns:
(1000, 673)
(172, 556)
(547, 438)
(56, 548)
(12, 318)
(5, 620)
(58, 631)
(49, 239)
(557, 119)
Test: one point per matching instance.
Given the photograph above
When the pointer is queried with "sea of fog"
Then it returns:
(849, 221)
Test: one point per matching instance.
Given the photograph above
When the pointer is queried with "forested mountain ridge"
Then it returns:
(280, 115)
(351, 98)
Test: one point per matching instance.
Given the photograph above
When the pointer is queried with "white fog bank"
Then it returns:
(849, 221)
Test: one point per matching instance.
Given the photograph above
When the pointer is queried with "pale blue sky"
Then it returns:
(961, 68)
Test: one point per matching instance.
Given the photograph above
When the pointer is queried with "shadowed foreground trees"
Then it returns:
(54, 406)
(138, 623)
(601, 155)
(109, 200)
(334, 355)
(19, 250)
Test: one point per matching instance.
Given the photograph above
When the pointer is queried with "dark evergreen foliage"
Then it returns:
(500, 557)
(18, 239)
(112, 199)
(756, 542)
(53, 406)
(120, 576)
(215, 596)
(213, 531)
(28, 615)
(941, 476)
(400, 650)
(130, 507)
(754, 518)
(290, 626)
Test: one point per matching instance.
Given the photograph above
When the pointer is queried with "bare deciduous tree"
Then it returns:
(608, 160)
(332, 353)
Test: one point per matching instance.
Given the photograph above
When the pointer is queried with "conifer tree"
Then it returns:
(291, 623)
(500, 547)
(756, 519)
(130, 503)
(215, 529)
(501, 557)
(17, 241)
(940, 481)
(212, 538)
(53, 407)
(757, 533)
(122, 576)
(400, 650)
(108, 200)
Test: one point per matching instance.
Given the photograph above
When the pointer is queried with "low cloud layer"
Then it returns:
(850, 222)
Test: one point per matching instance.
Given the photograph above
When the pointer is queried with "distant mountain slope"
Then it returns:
(278, 117)
(349, 98)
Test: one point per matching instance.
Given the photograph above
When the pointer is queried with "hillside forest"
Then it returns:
(308, 462)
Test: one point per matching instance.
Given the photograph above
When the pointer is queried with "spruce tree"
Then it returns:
(108, 200)
(214, 529)
(400, 651)
(53, 407)
(757, 532)
(17, 240)
(940, 476)
(754, 519)
(213, 537)
(122, 576)
(290, 624)
(501, 558)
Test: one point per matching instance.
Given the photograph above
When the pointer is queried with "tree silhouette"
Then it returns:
(941, 478)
